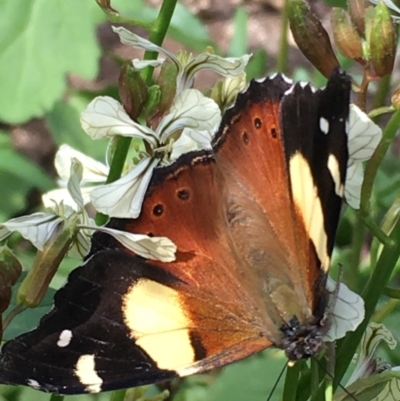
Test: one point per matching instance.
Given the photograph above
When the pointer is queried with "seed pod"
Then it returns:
(311, 37)
(382, 40)
(346, 37)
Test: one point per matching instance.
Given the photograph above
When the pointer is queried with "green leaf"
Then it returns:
(238, 45)
(257, 65)
(41, 42)
(18, 177)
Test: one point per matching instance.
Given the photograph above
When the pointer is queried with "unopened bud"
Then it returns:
(167, 83)
(356, 10)
(396, 98)
(10, 270)
(132, 90)
(382, 40)
(45, 265)
(311, 37)
(346, 37)
(106, 6)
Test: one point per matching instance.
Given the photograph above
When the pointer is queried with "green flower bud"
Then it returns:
(311, 37)
(132, 90)
(382, 40)
(45, 265)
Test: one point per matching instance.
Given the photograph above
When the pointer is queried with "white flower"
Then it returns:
(198, 116)
(366, 363)
(364, 136)
(347, 312)
(187, 66)
(38, 228)
(94, 173)
(372, 378)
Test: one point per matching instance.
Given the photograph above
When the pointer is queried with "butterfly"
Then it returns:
(254, 220)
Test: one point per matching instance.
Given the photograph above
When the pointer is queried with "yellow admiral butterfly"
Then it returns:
(254, 221)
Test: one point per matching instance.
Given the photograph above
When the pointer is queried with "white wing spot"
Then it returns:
(65, 338)
(85, 370)
(324, 125)
(34, 384)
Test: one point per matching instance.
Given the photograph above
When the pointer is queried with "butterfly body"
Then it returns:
(254, 223)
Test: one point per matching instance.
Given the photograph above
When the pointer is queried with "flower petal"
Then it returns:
(36, 228)
(364, 135)
(158, 248)
(93, 171)
(140, 64)
(183, 145)
(354, 180)
(231, 86)
(129, 38)
(191, 109)
(227, 66)
(124, 197)
(104, 117)
(348, 311)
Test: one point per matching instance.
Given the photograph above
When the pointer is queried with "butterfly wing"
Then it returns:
(282, 150)
(122, 321)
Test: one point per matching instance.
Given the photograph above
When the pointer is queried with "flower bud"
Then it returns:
(382, 40)
(396, 98)
(167, 83)
(10, 271)
(311, 37)
(45, 265)
(356, 10)
(132, 90)
(346, 37)
(105, 5)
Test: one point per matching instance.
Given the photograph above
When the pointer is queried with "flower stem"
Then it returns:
(375, 161)
(291, 381)
(283, 41)
(157, 36)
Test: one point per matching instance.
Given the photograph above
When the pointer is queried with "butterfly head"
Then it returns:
(302, 341)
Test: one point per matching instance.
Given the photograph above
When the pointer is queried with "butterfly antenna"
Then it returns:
(335, 382)
(277, 381)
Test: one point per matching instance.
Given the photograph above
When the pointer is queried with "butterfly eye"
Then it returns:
(158, 210)
(273, 132)
(183, 194)
(257, 123)
(245, 137)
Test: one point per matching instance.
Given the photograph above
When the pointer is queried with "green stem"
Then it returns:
(383, 90)
(371, 294)
(351, 274)
(291, 381)
(375, 161)
(283, 42)
(157, 36)
(381, 314)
